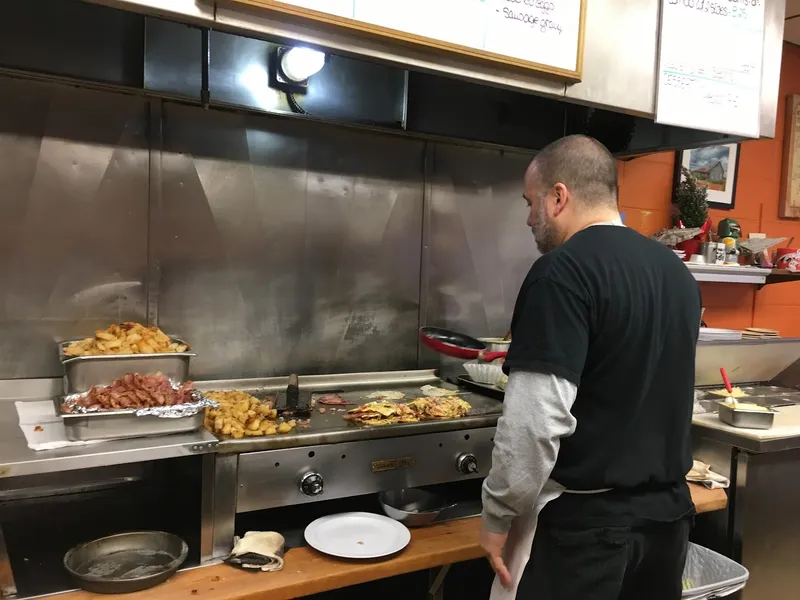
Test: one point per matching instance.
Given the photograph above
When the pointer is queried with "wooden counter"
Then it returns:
(308, 572)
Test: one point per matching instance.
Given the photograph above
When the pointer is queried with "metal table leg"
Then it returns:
(436, 591)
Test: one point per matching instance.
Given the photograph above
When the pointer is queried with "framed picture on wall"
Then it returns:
(715, 168)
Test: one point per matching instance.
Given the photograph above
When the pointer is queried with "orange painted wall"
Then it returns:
(645, 197)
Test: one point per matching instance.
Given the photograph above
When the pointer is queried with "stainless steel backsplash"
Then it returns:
(272, 245)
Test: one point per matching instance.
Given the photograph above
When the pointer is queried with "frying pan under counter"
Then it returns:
(327, 424)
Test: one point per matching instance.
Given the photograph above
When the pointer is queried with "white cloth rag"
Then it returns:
(42, 427)
(520, 538)
(701, 473)
(258, 550)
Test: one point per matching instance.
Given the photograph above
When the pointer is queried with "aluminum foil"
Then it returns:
(177, 411)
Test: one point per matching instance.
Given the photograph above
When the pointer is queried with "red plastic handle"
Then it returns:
(726, 380)
(490, 356)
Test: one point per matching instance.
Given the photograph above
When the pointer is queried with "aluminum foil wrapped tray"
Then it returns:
(86, 424)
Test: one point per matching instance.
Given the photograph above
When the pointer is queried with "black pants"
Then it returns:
(608, 563)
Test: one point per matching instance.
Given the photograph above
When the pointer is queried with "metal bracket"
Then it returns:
(436, 591)
(204, 447)
(205, 94)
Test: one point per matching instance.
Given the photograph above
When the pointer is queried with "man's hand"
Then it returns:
(493, 544)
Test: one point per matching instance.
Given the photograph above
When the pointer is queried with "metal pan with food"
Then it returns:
(133, 406)
(457, 345)
(120, 349)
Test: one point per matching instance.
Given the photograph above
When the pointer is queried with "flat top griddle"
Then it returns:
(330, 427)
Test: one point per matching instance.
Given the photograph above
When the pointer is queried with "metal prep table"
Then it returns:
(30, 476)
(760, 529)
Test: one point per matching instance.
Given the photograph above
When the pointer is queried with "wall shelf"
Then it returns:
(722, 274)
(780, 276)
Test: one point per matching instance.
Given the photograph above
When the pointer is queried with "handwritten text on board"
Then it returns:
(540, 31)
(710, 65)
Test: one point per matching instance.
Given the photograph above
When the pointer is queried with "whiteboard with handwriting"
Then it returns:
(710, 65)
(544, 32)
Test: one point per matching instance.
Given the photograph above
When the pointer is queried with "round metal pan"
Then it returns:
(412, 507)
(127, 562)
(456, 344)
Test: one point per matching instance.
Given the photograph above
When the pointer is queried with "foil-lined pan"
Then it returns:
(86, 424)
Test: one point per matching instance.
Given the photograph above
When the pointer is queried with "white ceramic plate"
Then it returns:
(357, 535)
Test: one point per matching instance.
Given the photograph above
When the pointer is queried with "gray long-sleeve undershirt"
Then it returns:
(536, 415)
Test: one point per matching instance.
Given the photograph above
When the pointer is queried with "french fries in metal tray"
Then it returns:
(124, 339)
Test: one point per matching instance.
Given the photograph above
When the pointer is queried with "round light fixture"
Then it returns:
(298, 63)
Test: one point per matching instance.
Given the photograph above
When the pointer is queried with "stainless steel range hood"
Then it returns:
(222, 58)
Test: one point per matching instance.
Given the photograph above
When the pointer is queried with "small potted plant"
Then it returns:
(691, 201)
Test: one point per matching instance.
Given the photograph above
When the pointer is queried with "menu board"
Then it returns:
(543, 35)
(710, 59)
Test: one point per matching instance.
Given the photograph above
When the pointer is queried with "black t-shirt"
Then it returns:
(618, 315)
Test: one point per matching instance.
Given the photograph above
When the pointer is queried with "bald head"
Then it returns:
(583, 165)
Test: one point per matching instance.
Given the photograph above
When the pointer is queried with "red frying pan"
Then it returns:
(456, 345)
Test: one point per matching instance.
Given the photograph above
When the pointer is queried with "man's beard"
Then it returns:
(545, 232)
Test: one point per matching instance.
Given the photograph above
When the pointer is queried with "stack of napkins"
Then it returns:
(43, 428)
(701, 473)
(710, 334)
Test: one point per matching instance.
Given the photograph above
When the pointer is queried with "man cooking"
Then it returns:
(594, 437)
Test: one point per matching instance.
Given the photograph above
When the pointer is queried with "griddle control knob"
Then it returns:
(311, 484)
(467, 464)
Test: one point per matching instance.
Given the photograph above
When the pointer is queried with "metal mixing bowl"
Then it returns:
(412, 507)
(127, 562)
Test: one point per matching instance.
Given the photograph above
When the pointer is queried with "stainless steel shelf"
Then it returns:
(781, 276)
(723, 274)
(17, 459)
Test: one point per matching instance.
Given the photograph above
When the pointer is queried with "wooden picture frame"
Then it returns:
(722, 159)
(418, 40)
(789, 199)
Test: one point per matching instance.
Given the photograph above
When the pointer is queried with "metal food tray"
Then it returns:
(83, 372)
(748, 419)
(122, 424)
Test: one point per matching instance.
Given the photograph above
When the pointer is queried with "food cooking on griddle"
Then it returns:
(126, 338)
(382, 412)
(440, 408)
(240, 414)
(385, 412)
(386, 395)
(133, 391)
(332, 400)
(437, 392)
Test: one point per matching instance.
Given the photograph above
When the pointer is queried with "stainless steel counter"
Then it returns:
(17, 459)
(765, 394)
(735, 440)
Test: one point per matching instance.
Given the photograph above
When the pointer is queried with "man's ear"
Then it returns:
(560, 197)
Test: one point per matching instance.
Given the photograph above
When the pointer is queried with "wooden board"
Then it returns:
(710, 65)
(789, 203)
(308, 572)
(483, 29)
